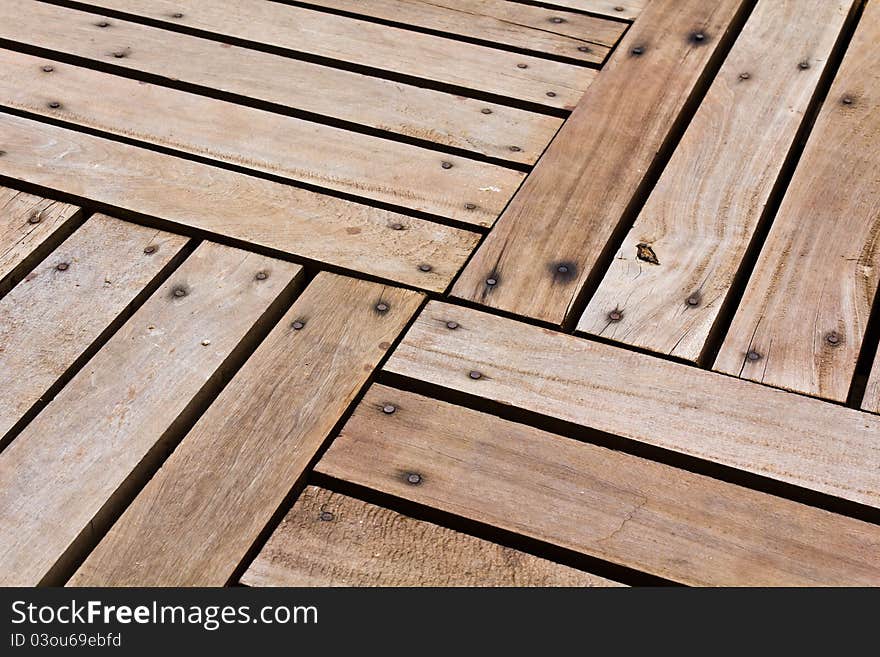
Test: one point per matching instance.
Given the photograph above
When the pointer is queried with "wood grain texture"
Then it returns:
(51, 317)
(394, 107)
(29, 227)
(556, 227)
(329, 539)
(871, 399)
(701, 216)
(200, 514)
(627, 9)
(65, 476)
(270, 214)
(807, 302)
(383, 170)
(614, 506)
(540, 29)
(379, 47)
(791, 438)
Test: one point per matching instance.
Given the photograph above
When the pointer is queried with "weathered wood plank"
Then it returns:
(329, 539)
(289, 219)
(509, 475)
(871, 399)
(382, 48)
(49, 319)
(614, 506)
(540, 29)
(380, 169)
(548, 240)
(627, 9)
(200, 514)
(473, 125)
(803, 314)
(30, 226)
(66, 475)
(701, 216)
(791, 438)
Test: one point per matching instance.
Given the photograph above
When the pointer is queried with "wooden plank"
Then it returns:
(539, 29)
(64, 478)
(30, 227)
(49, 319)
(701, 216)
(606, 504)
(791, 438)
(627, 9)
(546, 243)
(269, 214)
(394, 107)
(379, 169)
(200, 514)
(329, 539)
(803, 314)
(379, 47)
(871, 399)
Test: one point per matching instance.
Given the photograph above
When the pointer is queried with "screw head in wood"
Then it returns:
(638, 50)
(522, 65)
(562, 269)
(48, 69)
(446, 165)
(35, 218)
(382, 307)
(804, 65)
(491, 281)
(557, 20)
(414, 478)
(119, 54)
(618, 8)
(693, 300)
(425, 267)
(149, 249)
(584, 49)
(551, 94)
(753, 355)
(54, 104)
(470, 206)
(396, 226)
(615, 316)
(62, 266)
(847, 100)
(326, 516)
(514, 149)
(389, 409)
(103, 24)
(833, 338)
(699, 36)
(744, 76)
(261, 276)
(452, 325)
(179, 291)
(297, 325)
(177, 14)
(205, 343)
(475, 375)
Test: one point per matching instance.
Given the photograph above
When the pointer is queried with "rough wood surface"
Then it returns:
(754, 428)
(380, 169)
(51, 317)
(556, 227)
(419, 113)
(871, 399)
(803, 314)
(701, 216)
(379, 47)
(625, 9)
(270, 214)
(329, 539)
(620, 508)
(541, 29)
(201, 513)
(67, 474)
(30, 226)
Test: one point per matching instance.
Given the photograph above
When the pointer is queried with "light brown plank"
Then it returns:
(540, 29)
(871, 399)
(804, 311)
(49, 319)
(379, 169)
(637, 513)
(329, 539)
(289, 219)
(701, 216)
(200, 514)
(548, 240)
(379, 47)
(63, 479)
(30, 226)
(802, 441)
(394, 107)
(627, 9)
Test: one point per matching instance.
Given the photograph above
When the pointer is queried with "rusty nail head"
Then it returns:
(48, 69)
(522, 65)
(149, 249)
(744, 76)
(753, 355)
(446, 165)
(470, 206)
(425, 268)
(326, 516)
(414, 478)
(297, 325)
(261, 276)
(54, 104)
(35, 218)
(491, 281)
(832, 338)
(179, 292)
(62, 266)
(382, 307)
(475, 375)
(486, 110)
(452, 325)
(615, 315)
(388, 409)
(397, 226)
(693, 301)
(804, 64)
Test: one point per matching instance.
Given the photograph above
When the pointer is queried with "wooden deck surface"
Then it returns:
(456, 293)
